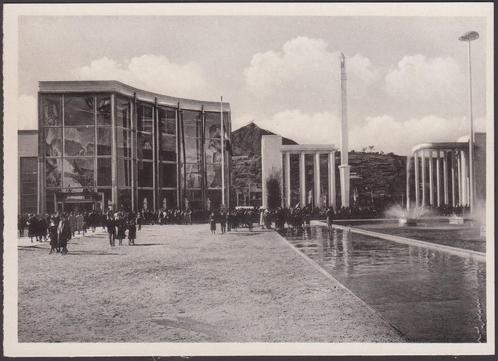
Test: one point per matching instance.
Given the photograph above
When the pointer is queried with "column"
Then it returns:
(316, 186)
(431, 179)
(464, 178)
(332, 196)
(417, 183)
(424, 196)
(453, 190)
(302, 179)
(438, 178)
(287, 180)
(114, 153)
(459, 177)
(408, 182)
(445, 177)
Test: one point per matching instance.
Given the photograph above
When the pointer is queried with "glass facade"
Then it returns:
(126, 153)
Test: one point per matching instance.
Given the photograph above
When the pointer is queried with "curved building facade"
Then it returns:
(106, 145)
(441, 174)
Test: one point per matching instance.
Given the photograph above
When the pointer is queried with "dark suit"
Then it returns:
(64, 235)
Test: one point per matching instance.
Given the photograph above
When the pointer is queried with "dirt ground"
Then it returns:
(182, 284)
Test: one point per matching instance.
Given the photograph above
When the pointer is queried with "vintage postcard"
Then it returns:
(248, 179)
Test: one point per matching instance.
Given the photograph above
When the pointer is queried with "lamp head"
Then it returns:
(469, 36)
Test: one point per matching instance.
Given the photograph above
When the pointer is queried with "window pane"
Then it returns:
(213, 199)
(107, 195)
(167, 121)
(124, 196)
(167, 199)
(144, 146)
(104, 110)
(213, 176)
(78, 172)
(51, 109)
(29, 184)
(213, 125)
(29, 166)
(193, 198)
(49, 201)
(192, 124)
(78, 110)
(124, 172)
(79, 141)
(104, 141)
(145, 174)
(123, 143)
(145, 199)
(193, 175)
(168, 147)
(192, 149)
(104, 171)
(144, 117)
(53, 172)
(213, 151)
(122, 112)
(53, 142)
(167, 175)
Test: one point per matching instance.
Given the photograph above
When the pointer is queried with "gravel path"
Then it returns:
(182, 284)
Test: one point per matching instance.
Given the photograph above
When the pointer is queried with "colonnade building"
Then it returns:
(311, 162)
(441, 173)
(104, 144)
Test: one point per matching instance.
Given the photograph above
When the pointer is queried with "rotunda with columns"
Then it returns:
(441, 174)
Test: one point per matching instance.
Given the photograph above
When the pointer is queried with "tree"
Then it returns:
(274, 197)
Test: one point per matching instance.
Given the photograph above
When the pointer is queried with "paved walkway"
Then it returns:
(182, 284)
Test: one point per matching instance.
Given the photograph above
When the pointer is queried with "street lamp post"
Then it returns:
(468, 37)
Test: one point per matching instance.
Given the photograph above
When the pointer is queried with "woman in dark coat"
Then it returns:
(212, 222)
(132, 230)
(52, 233)
(121, 226)
(64, 234)
(32, 227)
(111, 228)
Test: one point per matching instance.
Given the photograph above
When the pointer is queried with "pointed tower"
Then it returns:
(344, 168)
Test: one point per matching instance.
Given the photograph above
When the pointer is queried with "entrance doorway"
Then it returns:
(78, 206)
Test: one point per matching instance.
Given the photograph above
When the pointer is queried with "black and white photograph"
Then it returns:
(248, 179)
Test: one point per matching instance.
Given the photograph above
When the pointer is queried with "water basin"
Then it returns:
(430, 296)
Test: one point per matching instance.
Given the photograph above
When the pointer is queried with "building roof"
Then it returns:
(441, 146)
(315, 148)
(461, 143)
(78, 86)
(27, 131)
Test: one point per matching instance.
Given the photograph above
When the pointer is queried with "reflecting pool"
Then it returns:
(429, 296)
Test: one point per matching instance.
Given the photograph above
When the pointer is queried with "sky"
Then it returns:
(407, 76)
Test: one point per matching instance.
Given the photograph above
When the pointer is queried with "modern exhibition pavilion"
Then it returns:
(106, 145)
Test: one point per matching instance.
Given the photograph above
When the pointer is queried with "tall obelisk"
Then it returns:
(344, 168)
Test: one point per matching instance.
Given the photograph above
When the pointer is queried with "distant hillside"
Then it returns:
(247, 140)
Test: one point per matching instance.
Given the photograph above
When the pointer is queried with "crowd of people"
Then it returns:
(60, 228)
(233, 219)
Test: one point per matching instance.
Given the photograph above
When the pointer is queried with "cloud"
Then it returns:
(384, 132)
(400, 136)
(304, 128)
(27, 115)
(306, 73)
(431, 84)
(154, 73)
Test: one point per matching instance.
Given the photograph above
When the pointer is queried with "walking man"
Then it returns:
(63, 234)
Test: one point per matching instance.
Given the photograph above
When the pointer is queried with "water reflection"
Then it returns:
(430, 296)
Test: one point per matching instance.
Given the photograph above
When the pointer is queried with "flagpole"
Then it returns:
(222, 155)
